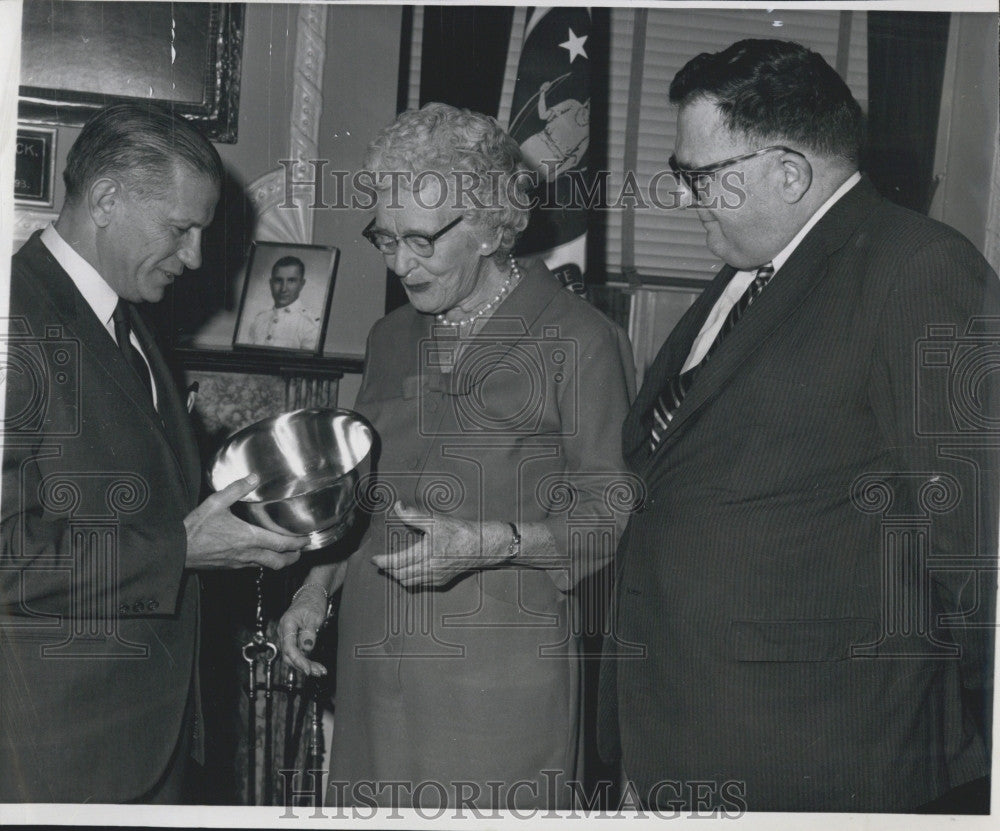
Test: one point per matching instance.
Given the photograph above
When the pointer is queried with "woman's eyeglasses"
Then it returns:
(698, 179)
(420, 244)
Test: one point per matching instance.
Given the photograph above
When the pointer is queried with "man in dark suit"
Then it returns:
(821, 482)
(101, 526)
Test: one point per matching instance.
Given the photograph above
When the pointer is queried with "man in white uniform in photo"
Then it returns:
(289, 323)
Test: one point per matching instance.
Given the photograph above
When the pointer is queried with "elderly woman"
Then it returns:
(498, 399)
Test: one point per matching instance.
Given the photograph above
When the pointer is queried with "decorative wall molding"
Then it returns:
(267, 192)
(29, 220)
(274, 223)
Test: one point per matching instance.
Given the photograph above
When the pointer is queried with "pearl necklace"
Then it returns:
(514, 272)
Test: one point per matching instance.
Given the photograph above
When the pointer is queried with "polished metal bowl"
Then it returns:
(309, 462)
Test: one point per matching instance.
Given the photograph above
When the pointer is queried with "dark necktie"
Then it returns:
(677, 387)
(123, 329)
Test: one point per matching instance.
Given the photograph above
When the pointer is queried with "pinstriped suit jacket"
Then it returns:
(821, 495)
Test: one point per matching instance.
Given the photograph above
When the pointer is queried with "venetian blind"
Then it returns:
(648, 47)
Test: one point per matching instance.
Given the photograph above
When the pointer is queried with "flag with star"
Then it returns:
(550, 119)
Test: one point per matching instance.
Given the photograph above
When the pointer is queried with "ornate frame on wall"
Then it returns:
(218, 115)
(215, 107)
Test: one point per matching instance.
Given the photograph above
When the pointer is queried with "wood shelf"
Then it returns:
(261, 363)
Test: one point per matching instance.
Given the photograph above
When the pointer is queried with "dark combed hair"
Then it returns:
(141, 144)
(776, 90)
(287, 260)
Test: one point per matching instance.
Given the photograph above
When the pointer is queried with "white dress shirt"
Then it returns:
(742, 279)
(290, 326)
(101, 298)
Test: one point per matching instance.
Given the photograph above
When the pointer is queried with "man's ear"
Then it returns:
(797, 175)
(103, 196)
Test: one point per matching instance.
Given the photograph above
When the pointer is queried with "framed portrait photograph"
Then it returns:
(79, 56)
(286, 298)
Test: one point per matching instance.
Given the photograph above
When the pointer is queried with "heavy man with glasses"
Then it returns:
(815, 439)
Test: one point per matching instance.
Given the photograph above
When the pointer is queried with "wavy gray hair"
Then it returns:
(467, 150)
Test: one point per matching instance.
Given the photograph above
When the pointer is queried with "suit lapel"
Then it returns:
(77, 316)
(80, 322)
(809, 265)
(173, 416)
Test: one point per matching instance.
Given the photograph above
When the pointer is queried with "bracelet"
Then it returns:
(514, 547)
(326, 594)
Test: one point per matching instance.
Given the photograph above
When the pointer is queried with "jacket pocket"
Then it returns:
(828, 639)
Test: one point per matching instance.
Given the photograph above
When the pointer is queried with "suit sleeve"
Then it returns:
(129, 568)
(595, 474)
(935, 394)
(79, 536)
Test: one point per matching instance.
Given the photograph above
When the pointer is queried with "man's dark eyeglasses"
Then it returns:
(697, 179)
(420, 244)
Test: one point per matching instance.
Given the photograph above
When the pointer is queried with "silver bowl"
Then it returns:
(309, 463)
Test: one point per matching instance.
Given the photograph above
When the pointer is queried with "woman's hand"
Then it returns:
(449, 547)
(298, 627)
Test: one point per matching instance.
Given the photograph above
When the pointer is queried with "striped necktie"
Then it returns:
(123, 329)
(677, 387)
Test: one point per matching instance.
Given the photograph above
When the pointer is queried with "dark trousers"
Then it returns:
(172, 788)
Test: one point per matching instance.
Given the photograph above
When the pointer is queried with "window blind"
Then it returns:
(667, 245)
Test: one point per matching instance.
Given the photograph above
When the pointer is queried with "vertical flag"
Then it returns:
(550, 119)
